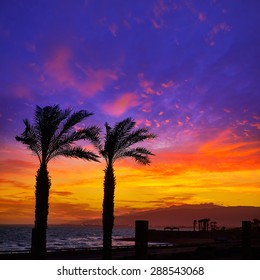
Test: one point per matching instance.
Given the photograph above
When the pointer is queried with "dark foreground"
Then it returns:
(195, 251)
(167, 245)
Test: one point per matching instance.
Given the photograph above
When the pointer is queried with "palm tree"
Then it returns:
(52, 135)
(118, 144)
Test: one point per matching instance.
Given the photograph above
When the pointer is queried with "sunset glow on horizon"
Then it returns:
(187, 70)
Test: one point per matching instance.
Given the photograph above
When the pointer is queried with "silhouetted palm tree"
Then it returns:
(117, 145)
(51, 135)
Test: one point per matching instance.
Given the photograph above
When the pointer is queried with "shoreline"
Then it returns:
(191, 250)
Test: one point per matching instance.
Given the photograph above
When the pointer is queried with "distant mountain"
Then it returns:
(183, 215)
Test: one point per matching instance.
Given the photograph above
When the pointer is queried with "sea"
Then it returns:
(15, 238)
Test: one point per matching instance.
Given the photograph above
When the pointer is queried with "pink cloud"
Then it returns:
(157, 123)
(121, 105)
(220, 27)
(145, 84)
(226, 110)
(168, 84)
(58, 66)
(160, 8)
(146, 105)
(113, 29)
(60, 69)
(21, 92)
(97, 80)
(30, 47)
(148, 123)
(201, 17)
(157, 24)
(257, 125)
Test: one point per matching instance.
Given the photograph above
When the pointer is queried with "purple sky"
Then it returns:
(188, 70)
(193, 63)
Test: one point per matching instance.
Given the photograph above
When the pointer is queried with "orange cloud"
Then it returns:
(11, 165)
(61, 193)
(121, 105)
(224, 146)
(62, 212)
(23, 209)
(14, 184)
(59, 212)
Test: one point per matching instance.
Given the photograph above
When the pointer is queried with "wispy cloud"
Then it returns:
(215, 30)
(223, 146)
(14, 184)
(61, 193)
(61, 212)
(13, 165)
(113, 29)
(121, 105)
(62, 68)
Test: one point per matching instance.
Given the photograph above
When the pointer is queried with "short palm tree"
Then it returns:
(52, 135)
(118, 144)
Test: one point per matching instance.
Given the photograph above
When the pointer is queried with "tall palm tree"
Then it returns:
(118, 144)
(52, 135)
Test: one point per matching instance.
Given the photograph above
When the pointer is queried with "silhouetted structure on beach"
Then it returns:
(141, 239)
(194, 225)
(204, 224)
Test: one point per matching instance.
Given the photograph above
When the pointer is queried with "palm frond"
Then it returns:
(121, 137)
(124, 127)
(51, 134)
(130, 139)
(77, 152)
(47, 121)
(30, 138)
(140, 154)
(75, 118)
(67, 140)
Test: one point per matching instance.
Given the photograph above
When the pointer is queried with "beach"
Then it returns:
(166, 245)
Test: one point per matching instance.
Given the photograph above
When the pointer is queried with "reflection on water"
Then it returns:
(16, 238)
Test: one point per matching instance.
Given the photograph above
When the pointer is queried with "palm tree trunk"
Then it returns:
(42, 187)
(108, 211)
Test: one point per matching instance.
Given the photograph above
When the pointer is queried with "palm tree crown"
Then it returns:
(53, 134)
(120, 139)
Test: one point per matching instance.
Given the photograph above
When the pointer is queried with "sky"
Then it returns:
(187, 70)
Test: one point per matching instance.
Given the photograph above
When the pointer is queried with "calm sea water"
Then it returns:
(18, 238)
